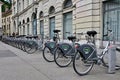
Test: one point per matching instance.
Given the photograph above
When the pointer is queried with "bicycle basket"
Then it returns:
(50, 45)
(66, 48)
(87, 51)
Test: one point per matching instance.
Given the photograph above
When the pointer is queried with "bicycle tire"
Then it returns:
(30, 49)
(104, 59)
(61, 59)
(84, 68)
(105, 62)
(47, 55)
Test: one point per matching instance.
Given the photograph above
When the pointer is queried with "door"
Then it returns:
(52, 27)
(67, 24)
(35, 27)
(112, 19)
(20, 31)
(23, 30)
(28, 29)
(42, 28)
(118, 25)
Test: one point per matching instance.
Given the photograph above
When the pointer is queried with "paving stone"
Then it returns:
(7, 53)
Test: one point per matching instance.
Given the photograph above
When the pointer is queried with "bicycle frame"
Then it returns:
(106, 47)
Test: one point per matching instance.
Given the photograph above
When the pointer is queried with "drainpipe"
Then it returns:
(92, 15)
(17, 19)
(101, 24)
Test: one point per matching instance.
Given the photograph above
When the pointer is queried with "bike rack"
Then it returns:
(111, 59)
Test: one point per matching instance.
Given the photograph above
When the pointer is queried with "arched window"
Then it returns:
(34, 24)
(34, 16)
(19, 24)
(28, 28)
(41, 14)
(67, 3)
(23, 27)
(23, 21)
(51, 10)
(14, 26)
(28, 20)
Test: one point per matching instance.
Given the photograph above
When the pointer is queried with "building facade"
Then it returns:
(33, 17)
(7, 22)
(1, 13)
(0, 18)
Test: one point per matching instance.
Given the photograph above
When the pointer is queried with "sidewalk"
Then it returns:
(18, 65)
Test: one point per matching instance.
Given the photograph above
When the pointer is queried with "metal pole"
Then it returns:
(111, 59)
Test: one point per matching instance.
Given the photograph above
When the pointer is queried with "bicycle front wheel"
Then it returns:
(81, 66)
(104, 59)
(47, 55)
(61, 59)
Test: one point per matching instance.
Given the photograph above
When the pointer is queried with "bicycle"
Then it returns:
(50, 47)
(32, 44)
(87, 56)
(65, 51)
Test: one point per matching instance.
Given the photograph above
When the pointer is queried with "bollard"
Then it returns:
(111, 59)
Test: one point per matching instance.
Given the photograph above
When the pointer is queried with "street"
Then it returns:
(18, 65)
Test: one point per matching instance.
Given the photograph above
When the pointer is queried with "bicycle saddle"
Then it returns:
(29, 37)
(16, 36)
(56, 31)
(91, 33)
(71, 38)
(35, 36)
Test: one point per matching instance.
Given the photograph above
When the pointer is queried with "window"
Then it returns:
(27, 2)
(28, 20)
(28, 28)
(41, 14)
(23, 21)
(111, 19)
(20, 23)
(67, 3)
(51, 10)
(19, 6)
(14, 10)
(23, 4)
(4, 20)
(9, 26)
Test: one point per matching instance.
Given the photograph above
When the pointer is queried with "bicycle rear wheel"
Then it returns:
(81, 66)
(61, 59)
(47, 55)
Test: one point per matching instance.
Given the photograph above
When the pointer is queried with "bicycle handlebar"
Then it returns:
(108, 34)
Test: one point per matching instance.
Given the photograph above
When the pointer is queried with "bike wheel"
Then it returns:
(27, 47)
(61, 59)
(30, 49)
(81, 66)
(47, 55)
(33, 49)
(104, 59)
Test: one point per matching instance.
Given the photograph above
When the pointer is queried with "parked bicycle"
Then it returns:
(87, 56)
(33, 43)
(65, 51)
(50, 47)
